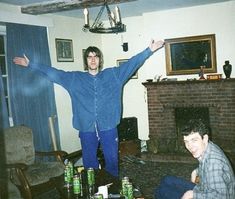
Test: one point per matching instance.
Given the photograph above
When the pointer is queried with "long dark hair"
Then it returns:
(98, 53)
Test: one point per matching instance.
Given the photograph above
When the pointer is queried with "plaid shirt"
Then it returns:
(216, 176)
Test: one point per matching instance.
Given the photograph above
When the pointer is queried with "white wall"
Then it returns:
(209, 19)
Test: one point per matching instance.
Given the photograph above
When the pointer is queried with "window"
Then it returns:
(3, 65)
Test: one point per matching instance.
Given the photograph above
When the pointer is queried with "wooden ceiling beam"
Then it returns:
(65, 5)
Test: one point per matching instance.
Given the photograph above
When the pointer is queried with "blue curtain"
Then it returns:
(4, 123)
(32, 96)
(4, 120)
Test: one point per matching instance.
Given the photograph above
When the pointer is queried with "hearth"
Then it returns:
(171, 103)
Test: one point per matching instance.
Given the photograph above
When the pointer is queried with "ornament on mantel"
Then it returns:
(227, 67)
(201, 73)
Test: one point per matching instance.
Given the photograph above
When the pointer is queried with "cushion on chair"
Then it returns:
(41, 172)
(19, 145)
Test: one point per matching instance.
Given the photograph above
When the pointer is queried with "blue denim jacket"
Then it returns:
(96, 100)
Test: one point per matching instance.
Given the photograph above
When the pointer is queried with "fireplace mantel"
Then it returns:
(146, 84)
(165, 96)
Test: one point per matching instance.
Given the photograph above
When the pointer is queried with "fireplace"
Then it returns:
(170, 103)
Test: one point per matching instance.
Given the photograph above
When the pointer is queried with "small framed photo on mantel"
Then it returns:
(64, 50)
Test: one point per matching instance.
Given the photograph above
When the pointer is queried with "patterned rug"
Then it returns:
(146, 175)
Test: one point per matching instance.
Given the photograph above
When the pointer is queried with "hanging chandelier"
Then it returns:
(115, 22)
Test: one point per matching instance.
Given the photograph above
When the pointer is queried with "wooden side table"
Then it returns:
(101, 178)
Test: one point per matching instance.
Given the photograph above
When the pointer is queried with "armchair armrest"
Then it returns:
(58, 154)
(61, 155)
(74, 156)
(50, 153)
(18, 171)
(21, 166)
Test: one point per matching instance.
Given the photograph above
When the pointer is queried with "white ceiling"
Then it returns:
(129, 9)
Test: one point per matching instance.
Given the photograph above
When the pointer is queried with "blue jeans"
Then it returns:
(172, 187)
(109, 144)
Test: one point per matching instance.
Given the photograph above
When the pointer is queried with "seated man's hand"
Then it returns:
(188, 195)
(194, 176)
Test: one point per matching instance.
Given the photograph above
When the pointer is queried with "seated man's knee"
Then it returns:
(168, 180)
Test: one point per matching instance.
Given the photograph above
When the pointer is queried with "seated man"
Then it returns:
(216, 177)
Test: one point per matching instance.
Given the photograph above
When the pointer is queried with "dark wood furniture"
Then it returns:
(28, 172)
(101, 178)
(129, 147)
(27, 190)
(129, 144)
(31, 170)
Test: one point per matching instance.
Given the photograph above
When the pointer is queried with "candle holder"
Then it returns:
(116, 25)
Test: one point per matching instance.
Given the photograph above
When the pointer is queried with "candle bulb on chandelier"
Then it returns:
(118, 18)
(113, 19)
(86, 15)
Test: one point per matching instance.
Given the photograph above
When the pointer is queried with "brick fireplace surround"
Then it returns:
(164, 97)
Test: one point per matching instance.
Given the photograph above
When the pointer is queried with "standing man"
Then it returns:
(214, 173)
(96, 97)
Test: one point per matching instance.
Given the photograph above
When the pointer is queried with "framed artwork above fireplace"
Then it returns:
(186, 55)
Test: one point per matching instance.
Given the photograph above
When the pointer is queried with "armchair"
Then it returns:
(30, 176)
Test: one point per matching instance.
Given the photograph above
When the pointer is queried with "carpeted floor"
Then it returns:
(144, 174)
(147, 174)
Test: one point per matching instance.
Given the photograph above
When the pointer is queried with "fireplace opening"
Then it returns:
(183, 115)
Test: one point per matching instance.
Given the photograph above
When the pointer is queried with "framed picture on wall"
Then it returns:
(64, 50)
(186, 55)
(121, 61)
